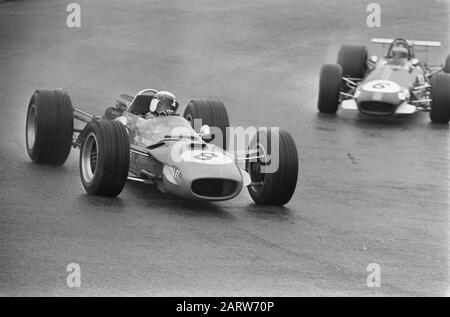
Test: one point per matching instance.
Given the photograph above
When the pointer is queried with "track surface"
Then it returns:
(369, 190)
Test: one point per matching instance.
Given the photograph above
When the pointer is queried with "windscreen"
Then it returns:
(151, 131)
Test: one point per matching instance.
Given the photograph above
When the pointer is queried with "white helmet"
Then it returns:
(163, 100)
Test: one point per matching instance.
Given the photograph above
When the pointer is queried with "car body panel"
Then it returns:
(167, 148)
(387, 87)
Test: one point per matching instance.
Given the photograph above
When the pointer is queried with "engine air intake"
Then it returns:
(377, 108)
(214, 187)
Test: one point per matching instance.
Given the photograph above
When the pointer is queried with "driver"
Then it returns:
(164, 103)
(400, 50)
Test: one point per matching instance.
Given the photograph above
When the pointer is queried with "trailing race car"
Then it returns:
(396, 84)
(143, 139)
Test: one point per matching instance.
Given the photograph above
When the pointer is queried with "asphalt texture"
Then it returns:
(369, 190)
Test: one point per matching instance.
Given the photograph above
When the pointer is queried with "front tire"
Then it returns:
(440, 96)
(104, 158)
(329, 88)
(212, 113)
(49, 127)
(446, 68)
(353, 59)
(274, 187)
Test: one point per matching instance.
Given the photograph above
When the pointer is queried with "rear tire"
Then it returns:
(440, 96)
(329, 88)
(49, 127)
(212, 113)
(353, 59)
(104, 158)
(275, 188)
(446, 68)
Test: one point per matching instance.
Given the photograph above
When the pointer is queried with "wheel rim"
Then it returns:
(31, 127)
(89, 157)
(254, 170)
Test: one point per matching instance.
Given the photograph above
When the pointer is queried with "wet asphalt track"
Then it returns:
(369, 190)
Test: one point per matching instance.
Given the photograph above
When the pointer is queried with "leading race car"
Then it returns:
(143, 139)
(397, 84)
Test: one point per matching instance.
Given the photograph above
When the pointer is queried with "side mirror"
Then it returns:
(373, 59)
(205, 132)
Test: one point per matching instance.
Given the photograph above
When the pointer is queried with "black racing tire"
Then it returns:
(49, 127)
(440, 96)
(273, 188)
(446, 68)
(212, 113)
(353, 60)
(329, 88)
(104, 157)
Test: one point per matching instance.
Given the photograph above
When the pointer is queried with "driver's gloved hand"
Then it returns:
(166, 113)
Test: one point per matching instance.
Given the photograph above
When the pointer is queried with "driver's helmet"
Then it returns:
(162, 101)
(400, 49)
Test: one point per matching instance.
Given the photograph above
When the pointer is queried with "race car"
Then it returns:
(166, 150)
(396, 84)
